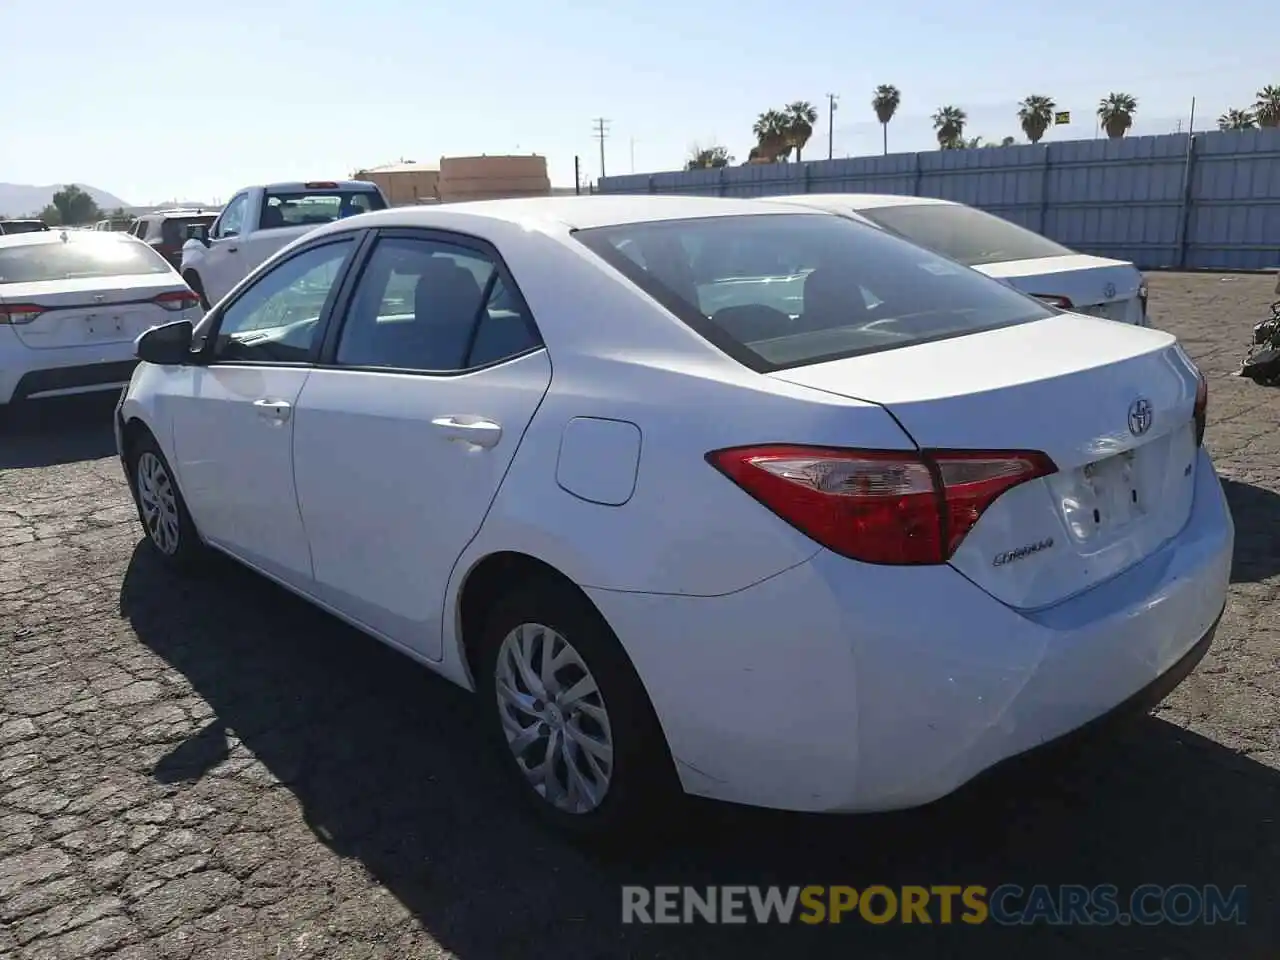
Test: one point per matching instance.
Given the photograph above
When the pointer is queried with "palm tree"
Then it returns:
(1008, 142)
(1116, 111)
(1235, 119)
(948, 124)
(772, 137)
(801, 116)
(885, 103)
(1036, 115)
(1267, 109)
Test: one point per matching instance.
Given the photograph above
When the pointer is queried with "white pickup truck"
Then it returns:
(258, 221)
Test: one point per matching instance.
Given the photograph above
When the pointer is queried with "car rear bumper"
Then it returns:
(837, 686)
(32, 374)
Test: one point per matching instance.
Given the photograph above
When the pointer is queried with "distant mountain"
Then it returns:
(17, 199)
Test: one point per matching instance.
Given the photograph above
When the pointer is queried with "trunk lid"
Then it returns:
(1096, 286)
(1111, 404)
(92, 310)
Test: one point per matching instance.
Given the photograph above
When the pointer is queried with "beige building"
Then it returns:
(461, 178)
(404, 183)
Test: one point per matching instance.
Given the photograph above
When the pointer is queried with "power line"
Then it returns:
(601, 132)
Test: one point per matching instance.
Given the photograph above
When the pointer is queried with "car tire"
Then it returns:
(197, 287)
(170, 532)
(641, 785)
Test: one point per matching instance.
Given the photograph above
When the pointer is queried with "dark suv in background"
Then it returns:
(168, 230)
(10, 227)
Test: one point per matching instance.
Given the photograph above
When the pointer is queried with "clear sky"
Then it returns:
(190, 99)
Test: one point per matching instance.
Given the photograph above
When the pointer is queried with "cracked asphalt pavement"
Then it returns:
(212, 769)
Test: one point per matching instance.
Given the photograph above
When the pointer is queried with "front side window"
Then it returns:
(277, 319)
(82, 255)
(783, 290)
(432, 306)
(966, 234)
(231, 223)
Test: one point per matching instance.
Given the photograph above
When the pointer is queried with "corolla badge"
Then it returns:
(1009, 556)
(1109, 290)
(1141, 415)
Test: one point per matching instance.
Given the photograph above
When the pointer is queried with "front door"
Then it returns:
(403, 436)
(233, 419)
(221, 267)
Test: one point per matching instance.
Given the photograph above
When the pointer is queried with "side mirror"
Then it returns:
(167, 345)
(198, 231)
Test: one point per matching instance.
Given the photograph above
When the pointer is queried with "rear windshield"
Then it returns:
(173, 230)
(966, 234)
(785, 290)
(314, 207)
(11, 227)
(83, 255)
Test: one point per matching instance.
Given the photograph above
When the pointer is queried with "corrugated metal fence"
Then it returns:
(1211, 201)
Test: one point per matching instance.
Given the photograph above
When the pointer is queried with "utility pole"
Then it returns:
(601, 132)
(633, 154)
(577, 176)
(831, 123)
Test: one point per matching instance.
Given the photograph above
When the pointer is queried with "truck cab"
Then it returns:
(258, 221)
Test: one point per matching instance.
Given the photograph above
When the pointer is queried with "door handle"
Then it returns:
(277, 411)
(232, 249)
(474, 430)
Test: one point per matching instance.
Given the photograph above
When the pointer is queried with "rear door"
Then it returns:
(88, 290)
(406, 429)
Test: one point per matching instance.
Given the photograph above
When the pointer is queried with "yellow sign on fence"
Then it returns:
(1061, 117)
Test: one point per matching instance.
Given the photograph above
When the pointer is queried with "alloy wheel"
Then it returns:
(554, 718)
(159, 503)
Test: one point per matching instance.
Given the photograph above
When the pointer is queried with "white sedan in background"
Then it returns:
(72, 303)
(729, 497)
(1034, 264)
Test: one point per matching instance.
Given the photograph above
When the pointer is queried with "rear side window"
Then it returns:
(79, 256)
(785, 290)
(972, 236)
(315, 207)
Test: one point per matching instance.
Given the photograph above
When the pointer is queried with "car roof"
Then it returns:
(20, 220)
(860, 201)
(572, 213)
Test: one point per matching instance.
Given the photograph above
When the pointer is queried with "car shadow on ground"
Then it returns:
(46, 433)
(388, 763)
(1256, 511)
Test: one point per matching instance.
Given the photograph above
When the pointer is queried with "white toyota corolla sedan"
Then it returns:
(72, 303)
(746, 500)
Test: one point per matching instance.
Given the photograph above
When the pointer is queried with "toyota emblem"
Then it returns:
(1109, 291)
(1140, 416)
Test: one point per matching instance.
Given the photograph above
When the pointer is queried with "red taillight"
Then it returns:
(1202, 408)
(177, 300)
(878, 506)
(19, 313)
(1062, 303)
